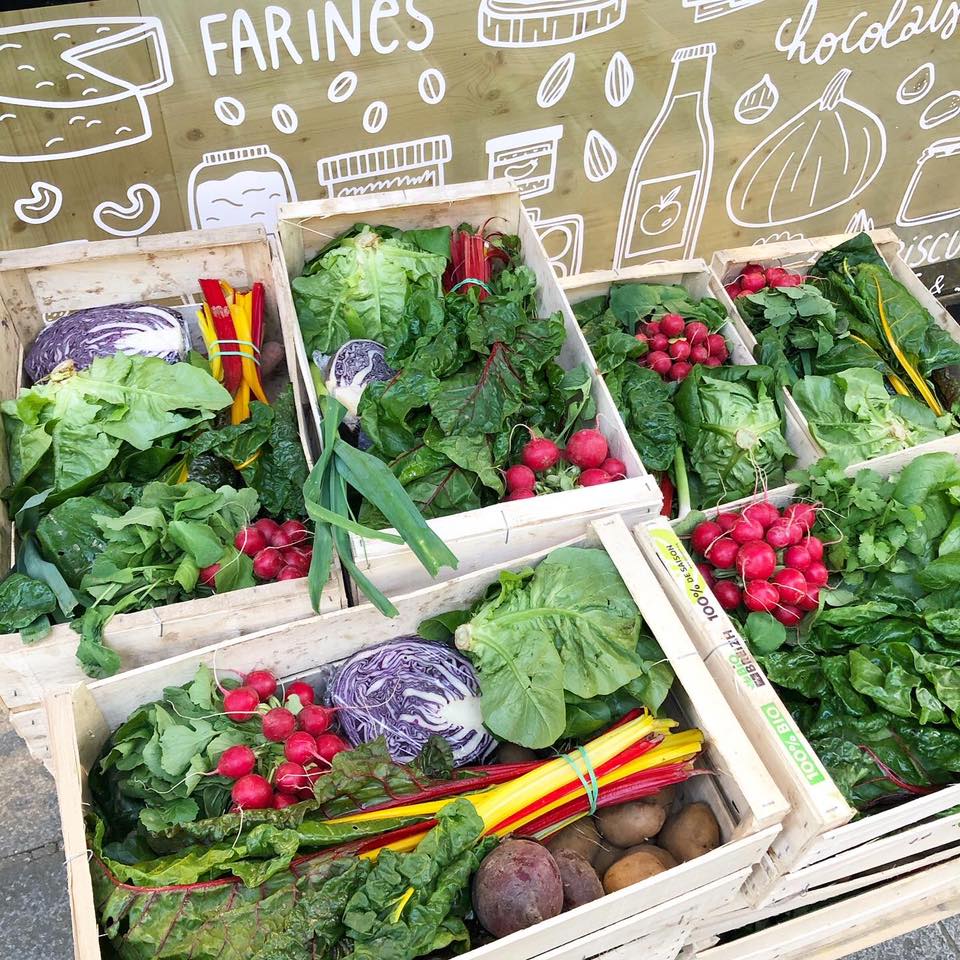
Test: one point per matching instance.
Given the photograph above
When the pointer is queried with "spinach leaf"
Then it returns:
(24, 600)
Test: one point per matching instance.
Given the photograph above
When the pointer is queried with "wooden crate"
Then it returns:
(818, 845)
(35, 284)
(748, 805)
(695, 276)
(726, 265)
(496, 533)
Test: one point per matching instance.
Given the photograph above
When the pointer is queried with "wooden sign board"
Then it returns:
(638, 130)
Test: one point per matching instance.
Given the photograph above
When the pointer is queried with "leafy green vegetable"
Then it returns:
(24, 600)
(71, 538)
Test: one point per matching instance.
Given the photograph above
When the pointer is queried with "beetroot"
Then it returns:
(817, 574)
(252, 792)
(764, 512)
(791, 583)
(671, 324)
(727, 594)
(756, 561)
(593, 477)
(263, 681)
(798, 557)
(788, 615)
(236, 762)
(679, 371)
(761, 596)
(268, 562)
(208, 575)
(520, 477)
(278, 724)
(241, 704)
(679, 350)
(301, 689)
(704, 534)
(539, 454)
(745, 530)
(616, 468)
(300, 747)
(269, 528)
(586, 449)
(250, 541)
(722, 553)
(659, 362)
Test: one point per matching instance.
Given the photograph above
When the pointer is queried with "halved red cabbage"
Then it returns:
(84, 335)
(352, 367)
(408, 690)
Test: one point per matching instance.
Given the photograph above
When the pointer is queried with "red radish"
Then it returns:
(778, 535)
(713, 362)
(268, 563)
(616, 468)
(263, 681)
(704, 534)
(236, 762)
(250, 541)
(727, 520)
(817, 574)
(763, 512)
(744, 293)
(805, 514)
(745, 530)
(278, 724)
(706, 571)
(291, 778)
(756, 561)
(753, 268)
(810, 599)
(774, 275)
(722, 553)
(593, 477)
(539, 454)
(680, 370)
(329, 745)
(659, 342)
(788, 615)
(290, 573)
(519, 495)
(727, 593)
(679, 350)
(760, 596)
(520, 477)
(814, 547)
(298, 558)
(587, 448)
(269, 528)
(753, 282)
(316, 719)
(640, 337)
(699, 354)
(300, 747)
(733, 290)
(252, 792)
(241, 704)
(295, 531)
(652, 328)
(791, 280)
(671, 324)
(282, 539)
(659, 362)
(791, 583)
(301, 689)
(797, 557)
(696, 332)
(208, 575)
(717, 346)
(282, 800)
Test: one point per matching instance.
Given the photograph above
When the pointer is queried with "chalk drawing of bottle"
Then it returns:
(666, 192)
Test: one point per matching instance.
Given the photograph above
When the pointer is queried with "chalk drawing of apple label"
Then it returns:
(528, 158)
(244, 185)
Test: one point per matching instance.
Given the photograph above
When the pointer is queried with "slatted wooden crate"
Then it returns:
(821, 843)
(38, 284)
(502, 531)
(661, 911)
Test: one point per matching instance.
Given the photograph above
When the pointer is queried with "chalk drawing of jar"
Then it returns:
(924, 200)
(244, 185)
(528, 158)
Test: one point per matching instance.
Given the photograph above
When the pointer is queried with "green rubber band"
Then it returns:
(479, 283)
(216, 354)
(589, 779)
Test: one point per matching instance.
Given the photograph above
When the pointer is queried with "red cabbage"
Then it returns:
(408, 690)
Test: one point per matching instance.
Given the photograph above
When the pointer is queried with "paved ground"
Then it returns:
(35, 916)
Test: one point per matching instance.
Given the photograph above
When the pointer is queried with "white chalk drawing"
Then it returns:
(562, 239)
(285, 118)
(556, 81)
(599, 157)
(798, 171)
(132, 218)
(782, 237)
(41, 206)
(756, 103)
(936, 288)
(917, 85)
(375, 116)
(244, 185)
(342, 87)
(82, 106)
(938, 164)
(619, 80)
(711, 9)
(528, 158)
(941, 110)
(431, 86)
(860, 222)
(396, 166)
(545, 23)
(663, 206)
(230, 110)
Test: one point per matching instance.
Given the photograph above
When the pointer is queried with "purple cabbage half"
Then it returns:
(356, 364)
(408, 690)
(85, 335)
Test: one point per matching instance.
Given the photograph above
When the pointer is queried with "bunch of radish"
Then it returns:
(753, 278)
(763, 560)
(280, 551)
(299, 725)
(676, 346)
(584, 462)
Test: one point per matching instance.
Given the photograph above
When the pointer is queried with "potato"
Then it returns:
(580, 881)
(631, 823)
(664, 798)
(606, 856)
(630, 869)
(664, 856)
(580, 837)
(518, 884)
(514, 753)
(691, 832)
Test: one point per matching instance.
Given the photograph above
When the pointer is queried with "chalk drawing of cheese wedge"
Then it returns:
(73, 88)
(544, 23)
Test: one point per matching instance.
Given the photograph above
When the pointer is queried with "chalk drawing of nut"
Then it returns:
(342, 87)
(599, 157)
(618, 83)
(230, 110)
(432, 86)
(129, 219)
(375, 117)
(555, 81)
(285, 118)
(43, 204)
